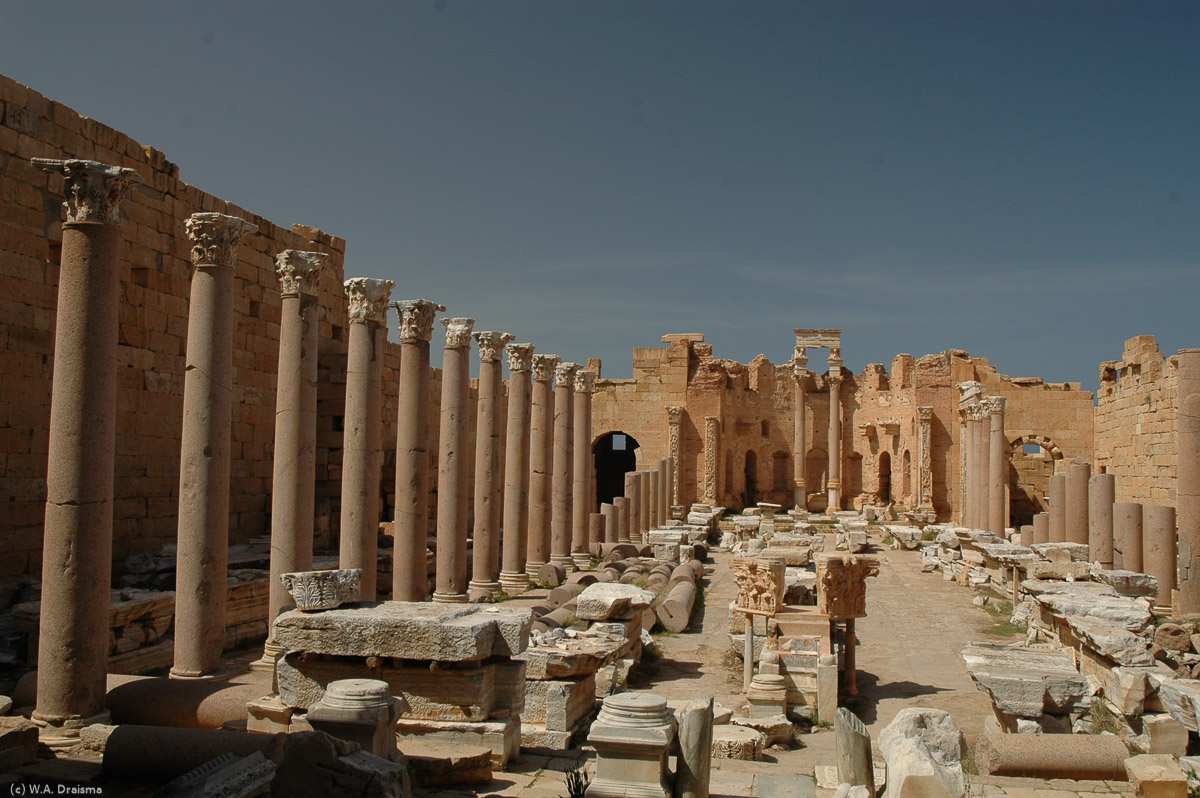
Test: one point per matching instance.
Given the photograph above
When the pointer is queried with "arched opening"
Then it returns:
(884, 487)
(751, 493)
(816, 465)
(1029, 470)
(615, 455)
(906, 478)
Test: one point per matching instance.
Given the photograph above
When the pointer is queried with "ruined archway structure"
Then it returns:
(1029, 475)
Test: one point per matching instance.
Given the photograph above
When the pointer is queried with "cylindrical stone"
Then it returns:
(1127, 534)
(655, 497)
(1052, 756)
(1101, 495)
(834, 484)
(646, 499)
(1058, 508)
(1041, 528)
(514, 576)
(610, 513)
(692, 775)
(485, 551)
(541, 458)
(981, 473)
(562, 487)
(1187, 479)
(799, 435)
(1078, 473)
(998, 450)
(664, 485)
(1159, 549)
(1027, 535)
(619, 530)
(633, 509)
(450, 579)
(596, 527)
(581, 466)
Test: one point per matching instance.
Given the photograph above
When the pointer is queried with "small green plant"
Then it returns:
(1102, 719)
(888, 540)
(499, 597)
(577, 780)
(928, 535)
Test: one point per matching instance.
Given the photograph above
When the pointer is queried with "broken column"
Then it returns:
(1159, 549)
(541, 458)
(582, 466)
(1078, 473)
(361, 456)
(1058, 508)
(410, 579)
(799, 433)
(1187, 471)
(632, 736)
(450, 581)
(1101, 494)
(485, 551)
(1041, 528)
(561, 487)
(997, 467)
(203, 527)
(77, 542)
(514, 578)
(1127, 534)
(611, 524)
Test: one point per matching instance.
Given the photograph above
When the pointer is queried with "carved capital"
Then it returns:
(215, 237)
(925, 414)
(675, 415)
(299, 272)
(491, 344)
(368, 299)
(585, 381)
(835, 381)
(520, 356)
(544, 366)
(458, 332)
(93, 190)
(564, 374)
(416, 318)
(993, 405)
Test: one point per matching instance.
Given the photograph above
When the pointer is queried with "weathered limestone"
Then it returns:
(1156, 776)
(632, 736)
(834, 483)
(923, 749)
(541, 458)
(451, 577)
(664, 491)
(514, 577)
(655, 501)
(1051, 756)
(361, 456)
(1078, 473)
(1127, 534)
(620, 531)
(77, 546)
(323, 590)
(998, 452)
(611, 513)
(854, 764)
(203, 531)
(1101, 492)
(646, 496)
(485, 560)
(799, 429)
(633, 498)
(1041, 528)
(760, 584)
(692, 774)
(738, 742)
(1187, 472)
(410, 581)
(582, 477)
(362, 711)
(970, 485)
(292, 487)
(1058, 508)
(1159, 549)
(562, 487)
(982, 463)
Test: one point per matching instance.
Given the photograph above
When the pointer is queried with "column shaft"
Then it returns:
(1058, 508)
(971, 484)
(581, 467)
(981, 469)
(997, 468)
(611, 524)
(1159, 549)
(799, 436)
(485, 550)
(620, 530)
(560, 521)
(450, 579)
(633, 510)
(1078, 473)
(835, 444)
(655, 495)
(1101, 494)
(1127, 534)
(513, 575)
(541, 458)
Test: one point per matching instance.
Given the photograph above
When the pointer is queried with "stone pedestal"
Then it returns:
(1127, 535)
(77, 538)
(362, 711)
(632, 736)
(1159, 549)
(1078, 473)
(485, 561)
(541, 458)
(450, 582)
(514, 577)
(1058, 508)
(767, 695)
(561, 486)
(1187, 483)
(1101, 494)
(582, 468)
(203, 530)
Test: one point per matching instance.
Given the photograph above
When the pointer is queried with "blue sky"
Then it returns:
(1017, 179)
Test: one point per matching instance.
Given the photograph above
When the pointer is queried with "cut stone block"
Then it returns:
(1156, 776)
(434, 764)
(608, 600)
(559, 705)
(501, 737)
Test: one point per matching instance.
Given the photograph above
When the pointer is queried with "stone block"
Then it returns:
(502, 737)
(559, 705)
(18, 740)
(1164, 735)
(611, 600)
(1156, 776)
(435, 765)
(572, 657)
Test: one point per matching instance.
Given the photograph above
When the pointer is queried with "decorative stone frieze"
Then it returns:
(842, 584)
(760, 583)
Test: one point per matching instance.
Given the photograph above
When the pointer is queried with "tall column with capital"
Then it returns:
(410, 579)
(1187, 491)
(582, 467)
(450, 580)
(485, 551)
(203, 529)
(541, 460)
(675, 430)
(997, 465)
(513, 576)
(295, 474)
(561, 486)
(982, 433)
(77, 541)
(361, 457)
(971, 470)
(835, 431)
(925, 458)
(965, 488)
(799, 431)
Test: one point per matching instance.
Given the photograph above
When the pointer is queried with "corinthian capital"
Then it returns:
(458, 332)
(585, 381)
(924, 414)
(93, 190)
(416, 318)
(299, 272)
(564, 374)
(993, 405)
(215, 237)
(368, 299)
(544, 366)
(520, 356)
(674, 415)
(491, 344)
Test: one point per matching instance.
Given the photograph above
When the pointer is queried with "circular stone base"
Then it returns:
(737, 742)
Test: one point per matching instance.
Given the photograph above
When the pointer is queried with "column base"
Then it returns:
(514, 583)
(214, 676)
(531, 571)
(482, 592)
(450, 598)
(564, 561)
(267, 663)
(582, 561)
(61, 736)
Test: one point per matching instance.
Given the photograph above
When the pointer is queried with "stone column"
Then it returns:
(612, 525)
(361, 457)
(712, 455)
(596, 531)
(834, 484)
(77, 541)
(450, 579)
(620, 532)
(970, 483)
(664, 491)
(1101, 494)
(1159, 549)
(646, 501)
(203, 527)
(633, 510)
(582, 466)
(1127, 534)
(293, 487)
(1058, 508)
(1041, 528)
(410, 574)
(997, 466)
(655, 501)
(799, 431)
(514, 578)
(1187, 484)
(1078, 473)
(675, 425)
(541, 458)
(981, 465)
(925, 458)
(560, 519)
(485, 536)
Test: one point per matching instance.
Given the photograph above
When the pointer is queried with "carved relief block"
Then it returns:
(760, 583)
(842, 584)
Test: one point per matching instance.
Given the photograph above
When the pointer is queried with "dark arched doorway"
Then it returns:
(885, 477)
(751, 494)
(615, 455)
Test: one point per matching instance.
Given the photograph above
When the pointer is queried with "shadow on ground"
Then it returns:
(871, 692)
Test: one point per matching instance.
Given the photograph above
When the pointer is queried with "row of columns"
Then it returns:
(833, 483)
(985, 460)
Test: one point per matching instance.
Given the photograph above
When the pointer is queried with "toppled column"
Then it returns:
(998, 450)
(1102, 490)
(450, 583)
(514, 577)
(1127, 534)
(410, 579)
(1058, 508)
(799, 431)
(560, 518)
(361, 459)
(1052, 756)
(632, 736)
(1078, 473)
(582, 466)
(541, 458)
(203, 526)
(1159, 549)
(77, 541)
(1187, 471)
(485, 560)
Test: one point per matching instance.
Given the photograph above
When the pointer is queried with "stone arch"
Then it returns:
(1029, 476)
(614, 454)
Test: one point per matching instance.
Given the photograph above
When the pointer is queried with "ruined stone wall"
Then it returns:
(1136, 423)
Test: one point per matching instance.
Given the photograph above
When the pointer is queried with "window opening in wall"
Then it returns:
(766, 429)
(618, 442)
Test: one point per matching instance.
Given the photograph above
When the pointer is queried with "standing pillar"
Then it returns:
(970, 483)
(582, 467)
(620, 530)
(997, 466)
(410, 573)
(664, 491)
(1058, 508)
(1078, 473)
(293, 485)
(711, 457)
(596, 532)
(645, 502)
(541, 458)
(1101, 494)
(361, 457)
(655, 495)
(674, 473)
(799, 430)
(925, 459)
(1159, 549)
(1041, 528)
(981, 465)
(560, 520)
(485, 549)
(77, 542)
(1187, 484)
(834, 484)
(450, 579)
(633, 496)
(1127, 534)
(612, 526)
(514, 578)
(203, 527)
